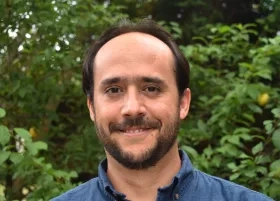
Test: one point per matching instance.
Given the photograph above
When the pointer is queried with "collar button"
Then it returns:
(176, 196)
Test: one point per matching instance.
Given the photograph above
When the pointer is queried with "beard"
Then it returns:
(149, 157)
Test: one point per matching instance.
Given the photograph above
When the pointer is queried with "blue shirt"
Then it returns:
(188, 185)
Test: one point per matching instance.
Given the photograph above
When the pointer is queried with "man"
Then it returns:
(136, 81)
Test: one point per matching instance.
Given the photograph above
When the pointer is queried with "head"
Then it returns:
(136, 82)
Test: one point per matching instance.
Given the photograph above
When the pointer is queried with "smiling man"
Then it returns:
(137, 86)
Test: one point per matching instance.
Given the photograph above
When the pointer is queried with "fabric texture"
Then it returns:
(189, 184)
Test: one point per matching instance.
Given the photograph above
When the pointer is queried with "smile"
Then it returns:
(135, 131)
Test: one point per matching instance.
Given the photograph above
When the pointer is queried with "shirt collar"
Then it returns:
(185, 174)
(182, 178)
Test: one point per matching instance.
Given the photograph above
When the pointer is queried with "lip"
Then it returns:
(136, 132)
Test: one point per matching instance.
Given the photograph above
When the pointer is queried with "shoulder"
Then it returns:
(221, 189)
(85, 191)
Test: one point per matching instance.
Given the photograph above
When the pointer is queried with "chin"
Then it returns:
(138, 151)
(139, 155)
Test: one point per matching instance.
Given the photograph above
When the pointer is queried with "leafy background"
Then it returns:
(47, 141)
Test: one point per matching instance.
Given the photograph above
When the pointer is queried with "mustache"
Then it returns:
(134, 122)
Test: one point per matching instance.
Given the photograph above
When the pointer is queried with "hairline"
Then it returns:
(155, 31)
(142, 33)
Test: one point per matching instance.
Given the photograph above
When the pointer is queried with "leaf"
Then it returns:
(243, 156)
(241, 130)
(217, 160)
(224, 29)
(249, 117)
(16, 158)
(268, 126)
(264, 74)
(262, 159)
(177, 30)
(249, 25)
(275, 165)
(23, 133)
(234, 176)
(276, 138)
(208, 152)
(262, 170)
(4, 135)
(234, 140)
(276, 112)
(245, 136)
(252, 32)
(253, 90)
(200, 39)
(231, 150)
(250, 173)
(59, 173)
(274, 190)
(2, 112)
(257, 148)
(31, 149)
(191, 151)
(40, 145)
(73, 174)
(35, 147)
(245, 65)
(232, 166)
(201, 125)
(255, 108)
(265, 183)
(4, 155)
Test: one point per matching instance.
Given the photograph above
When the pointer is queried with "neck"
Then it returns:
(138, 183)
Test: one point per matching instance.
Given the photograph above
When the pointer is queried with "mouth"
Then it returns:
(135, 131)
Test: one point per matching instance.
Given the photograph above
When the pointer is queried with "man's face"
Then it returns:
(136, 106)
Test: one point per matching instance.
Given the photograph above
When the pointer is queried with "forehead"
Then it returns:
(137, 52)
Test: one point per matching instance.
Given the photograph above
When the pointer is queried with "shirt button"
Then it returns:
(176, 196)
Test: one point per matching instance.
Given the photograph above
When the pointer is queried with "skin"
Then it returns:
(134, 79)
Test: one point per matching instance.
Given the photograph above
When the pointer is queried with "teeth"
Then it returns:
(134, 131)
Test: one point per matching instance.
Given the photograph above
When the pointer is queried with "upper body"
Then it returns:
(188, 184)
(137, 86)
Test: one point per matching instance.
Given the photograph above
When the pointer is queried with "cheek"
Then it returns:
(106, 112)
(164, 110)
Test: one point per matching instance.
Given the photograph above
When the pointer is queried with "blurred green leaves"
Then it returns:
(276, 138)
(2, 113)
(235, 106)
(21, 161)
(4, 135)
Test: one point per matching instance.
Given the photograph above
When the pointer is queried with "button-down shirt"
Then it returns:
(189, 184)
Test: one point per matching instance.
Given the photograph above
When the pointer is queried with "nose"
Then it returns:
(133, 105)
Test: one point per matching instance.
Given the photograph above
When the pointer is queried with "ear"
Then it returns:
(185, 103)
(90, 109)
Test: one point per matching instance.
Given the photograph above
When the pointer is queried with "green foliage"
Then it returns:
(23, 165)
(173, 28)
(234, 120)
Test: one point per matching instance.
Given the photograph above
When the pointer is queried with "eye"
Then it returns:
(113, 90)
(152, 89)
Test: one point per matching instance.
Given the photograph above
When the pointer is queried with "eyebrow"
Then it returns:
(110, 81)
(155, 80)
(115, 80)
